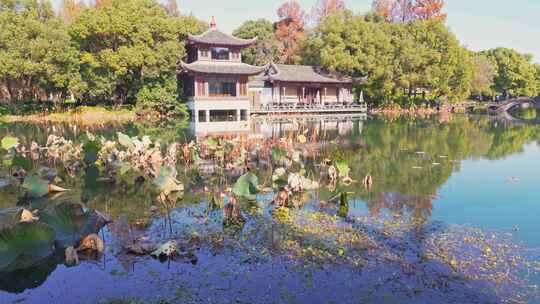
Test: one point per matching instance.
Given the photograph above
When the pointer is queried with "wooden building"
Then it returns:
(215, 79)
(300, 86)
(221, 88)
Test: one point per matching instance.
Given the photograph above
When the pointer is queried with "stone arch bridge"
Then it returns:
(506, 106)
(502, 109)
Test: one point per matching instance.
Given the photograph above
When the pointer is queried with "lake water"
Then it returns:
(455, 202)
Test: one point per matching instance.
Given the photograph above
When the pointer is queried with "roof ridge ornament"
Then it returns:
(213, 24)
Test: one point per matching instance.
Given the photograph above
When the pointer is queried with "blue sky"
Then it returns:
(479, 24)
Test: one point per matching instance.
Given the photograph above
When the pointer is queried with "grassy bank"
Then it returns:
(81, 115)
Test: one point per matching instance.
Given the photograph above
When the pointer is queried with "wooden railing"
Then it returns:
(297, 107)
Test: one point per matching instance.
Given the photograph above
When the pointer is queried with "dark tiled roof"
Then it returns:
(303, 73)
(216, 37)
(229, 68)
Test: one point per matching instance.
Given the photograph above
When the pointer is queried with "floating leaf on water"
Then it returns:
(25, 245)
(92, 242)
(9, 142)
(28, 217)
(10, 217)
(36, 186)
(168, 249)
(71, 223)
(246, 186)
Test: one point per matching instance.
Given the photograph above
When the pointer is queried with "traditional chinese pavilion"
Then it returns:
(215, 79)
(220, 87)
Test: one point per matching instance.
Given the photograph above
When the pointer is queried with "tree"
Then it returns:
(37, 59)
(430, 10)
(172, 8)
(290, 29)
(516, 74)
(101, 3)
(537, 67)
(402, 62)
(324, 8)
(483, 76)
(266, 49)
(128, 45)
(409, 10)
(69, 8)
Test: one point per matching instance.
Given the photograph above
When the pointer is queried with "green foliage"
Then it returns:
(127, 45)
(24, 245)
(266, 49)
(401, 61)
(484, 72)
(9, 142)
(125, 51)
(71, 222)
(246, 186)
(516, 74)
(37, 58)
(36, 186)
(159, 99)
(166, 182)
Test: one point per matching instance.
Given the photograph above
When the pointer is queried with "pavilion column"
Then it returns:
(325, 92)
(207, 116)
(303, 94)
(238, 114)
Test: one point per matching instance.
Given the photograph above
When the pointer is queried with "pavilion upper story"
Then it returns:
(214, 67)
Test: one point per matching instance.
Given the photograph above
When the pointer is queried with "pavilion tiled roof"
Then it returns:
(224, 68)
(216, 37)
(303, 73)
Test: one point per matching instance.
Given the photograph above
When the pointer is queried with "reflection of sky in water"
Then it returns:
(482, 194)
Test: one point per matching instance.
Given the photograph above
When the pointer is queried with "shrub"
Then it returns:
(160, 100)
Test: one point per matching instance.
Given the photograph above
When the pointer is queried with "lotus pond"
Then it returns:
(402, 210)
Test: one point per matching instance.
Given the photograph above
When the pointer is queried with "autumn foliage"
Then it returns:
(70, 8)
(290, 29)
(408, 10)
(324, 8)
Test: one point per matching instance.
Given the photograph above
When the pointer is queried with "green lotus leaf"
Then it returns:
(36, 186)
(278, 154)
(10, 217)
(9, 142)
(125, 140)
(246, 186)
(211, 143)
(71, 222)
(25, 245)
(166, 182)
(91, 150)
(343, 168)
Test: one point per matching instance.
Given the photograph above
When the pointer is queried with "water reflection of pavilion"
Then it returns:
(272, 127)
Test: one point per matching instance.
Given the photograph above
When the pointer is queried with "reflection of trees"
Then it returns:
(417, 208)
(411, 159)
